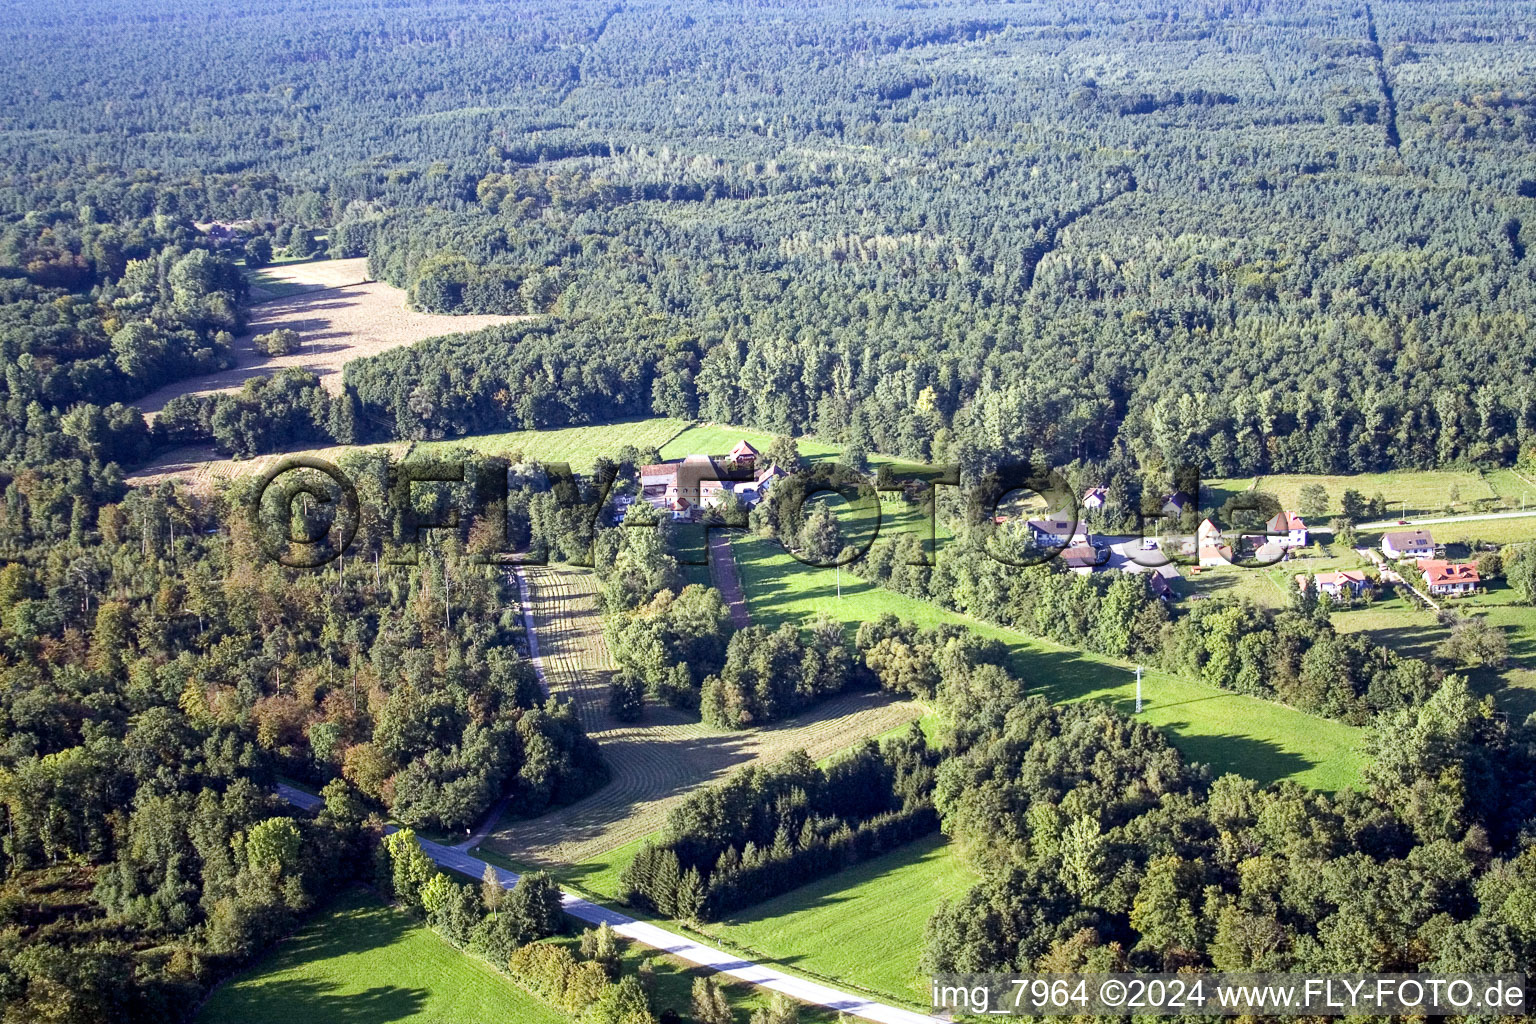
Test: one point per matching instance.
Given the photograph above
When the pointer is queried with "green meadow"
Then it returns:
(1407, 492)
(578, 446)
(1260, 739)
(1415, 631)
(863, 925)
(363, 962)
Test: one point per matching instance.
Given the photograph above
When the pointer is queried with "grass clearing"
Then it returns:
(1410, 491)
(1408, 629)
(284, 277)
(361, 961)
(580, 447)
(1260, 739)
(1268, 586)
(865, 923)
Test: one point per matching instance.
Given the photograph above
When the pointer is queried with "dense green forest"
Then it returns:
(1252, 236)
(1249, 236)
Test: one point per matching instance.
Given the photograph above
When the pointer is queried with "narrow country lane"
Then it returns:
(647, 934)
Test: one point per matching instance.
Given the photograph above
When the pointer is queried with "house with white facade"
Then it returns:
(1417, 544)
(1336, 584)
(1056, 532)
(1288, 530)
(1449, 579)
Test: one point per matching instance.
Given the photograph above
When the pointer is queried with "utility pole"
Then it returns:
(1138, 689)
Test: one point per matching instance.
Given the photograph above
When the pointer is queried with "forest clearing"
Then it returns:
(338, 315)
(659, 760)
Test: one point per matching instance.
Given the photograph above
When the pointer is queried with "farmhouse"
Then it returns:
(1288, 530)
(1449, 579)
(683, 486)
(1334, 584)
(1417, 544)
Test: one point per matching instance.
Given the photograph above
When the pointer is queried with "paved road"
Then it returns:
(1387, 523)
(652, 935)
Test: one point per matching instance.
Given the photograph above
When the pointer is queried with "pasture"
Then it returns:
(580, 447)
(200, 465)
(1260, 739)
(1405, 627)
(358, 960)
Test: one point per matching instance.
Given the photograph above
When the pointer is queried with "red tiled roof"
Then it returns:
(1444, 573)
(1284, 522)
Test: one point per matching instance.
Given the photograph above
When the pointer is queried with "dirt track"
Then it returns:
(657, 761)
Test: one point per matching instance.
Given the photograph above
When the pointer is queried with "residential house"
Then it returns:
(1335, 584)
(1288, 530)
(681, 508)
(752, 491)
(1056, 532)
(704, 481)
(1175, 504)
(1213, 551)
(1449, 579)
(1082, 558)
(743, 456)
(1095, 497)
(1416, 544)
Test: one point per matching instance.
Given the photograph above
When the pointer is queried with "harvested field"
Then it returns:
(657, 761)
(335, 325)
(200, 467)
(282, 279)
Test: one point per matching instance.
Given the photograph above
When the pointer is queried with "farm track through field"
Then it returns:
(657, 761)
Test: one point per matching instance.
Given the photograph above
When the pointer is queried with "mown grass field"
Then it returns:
(861, 927)
(581, 447)
(1233, 733)
(1413, 491)
(658, 760)
(717, 439)
(1472, 533)
(864, 924)
(363, 962)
